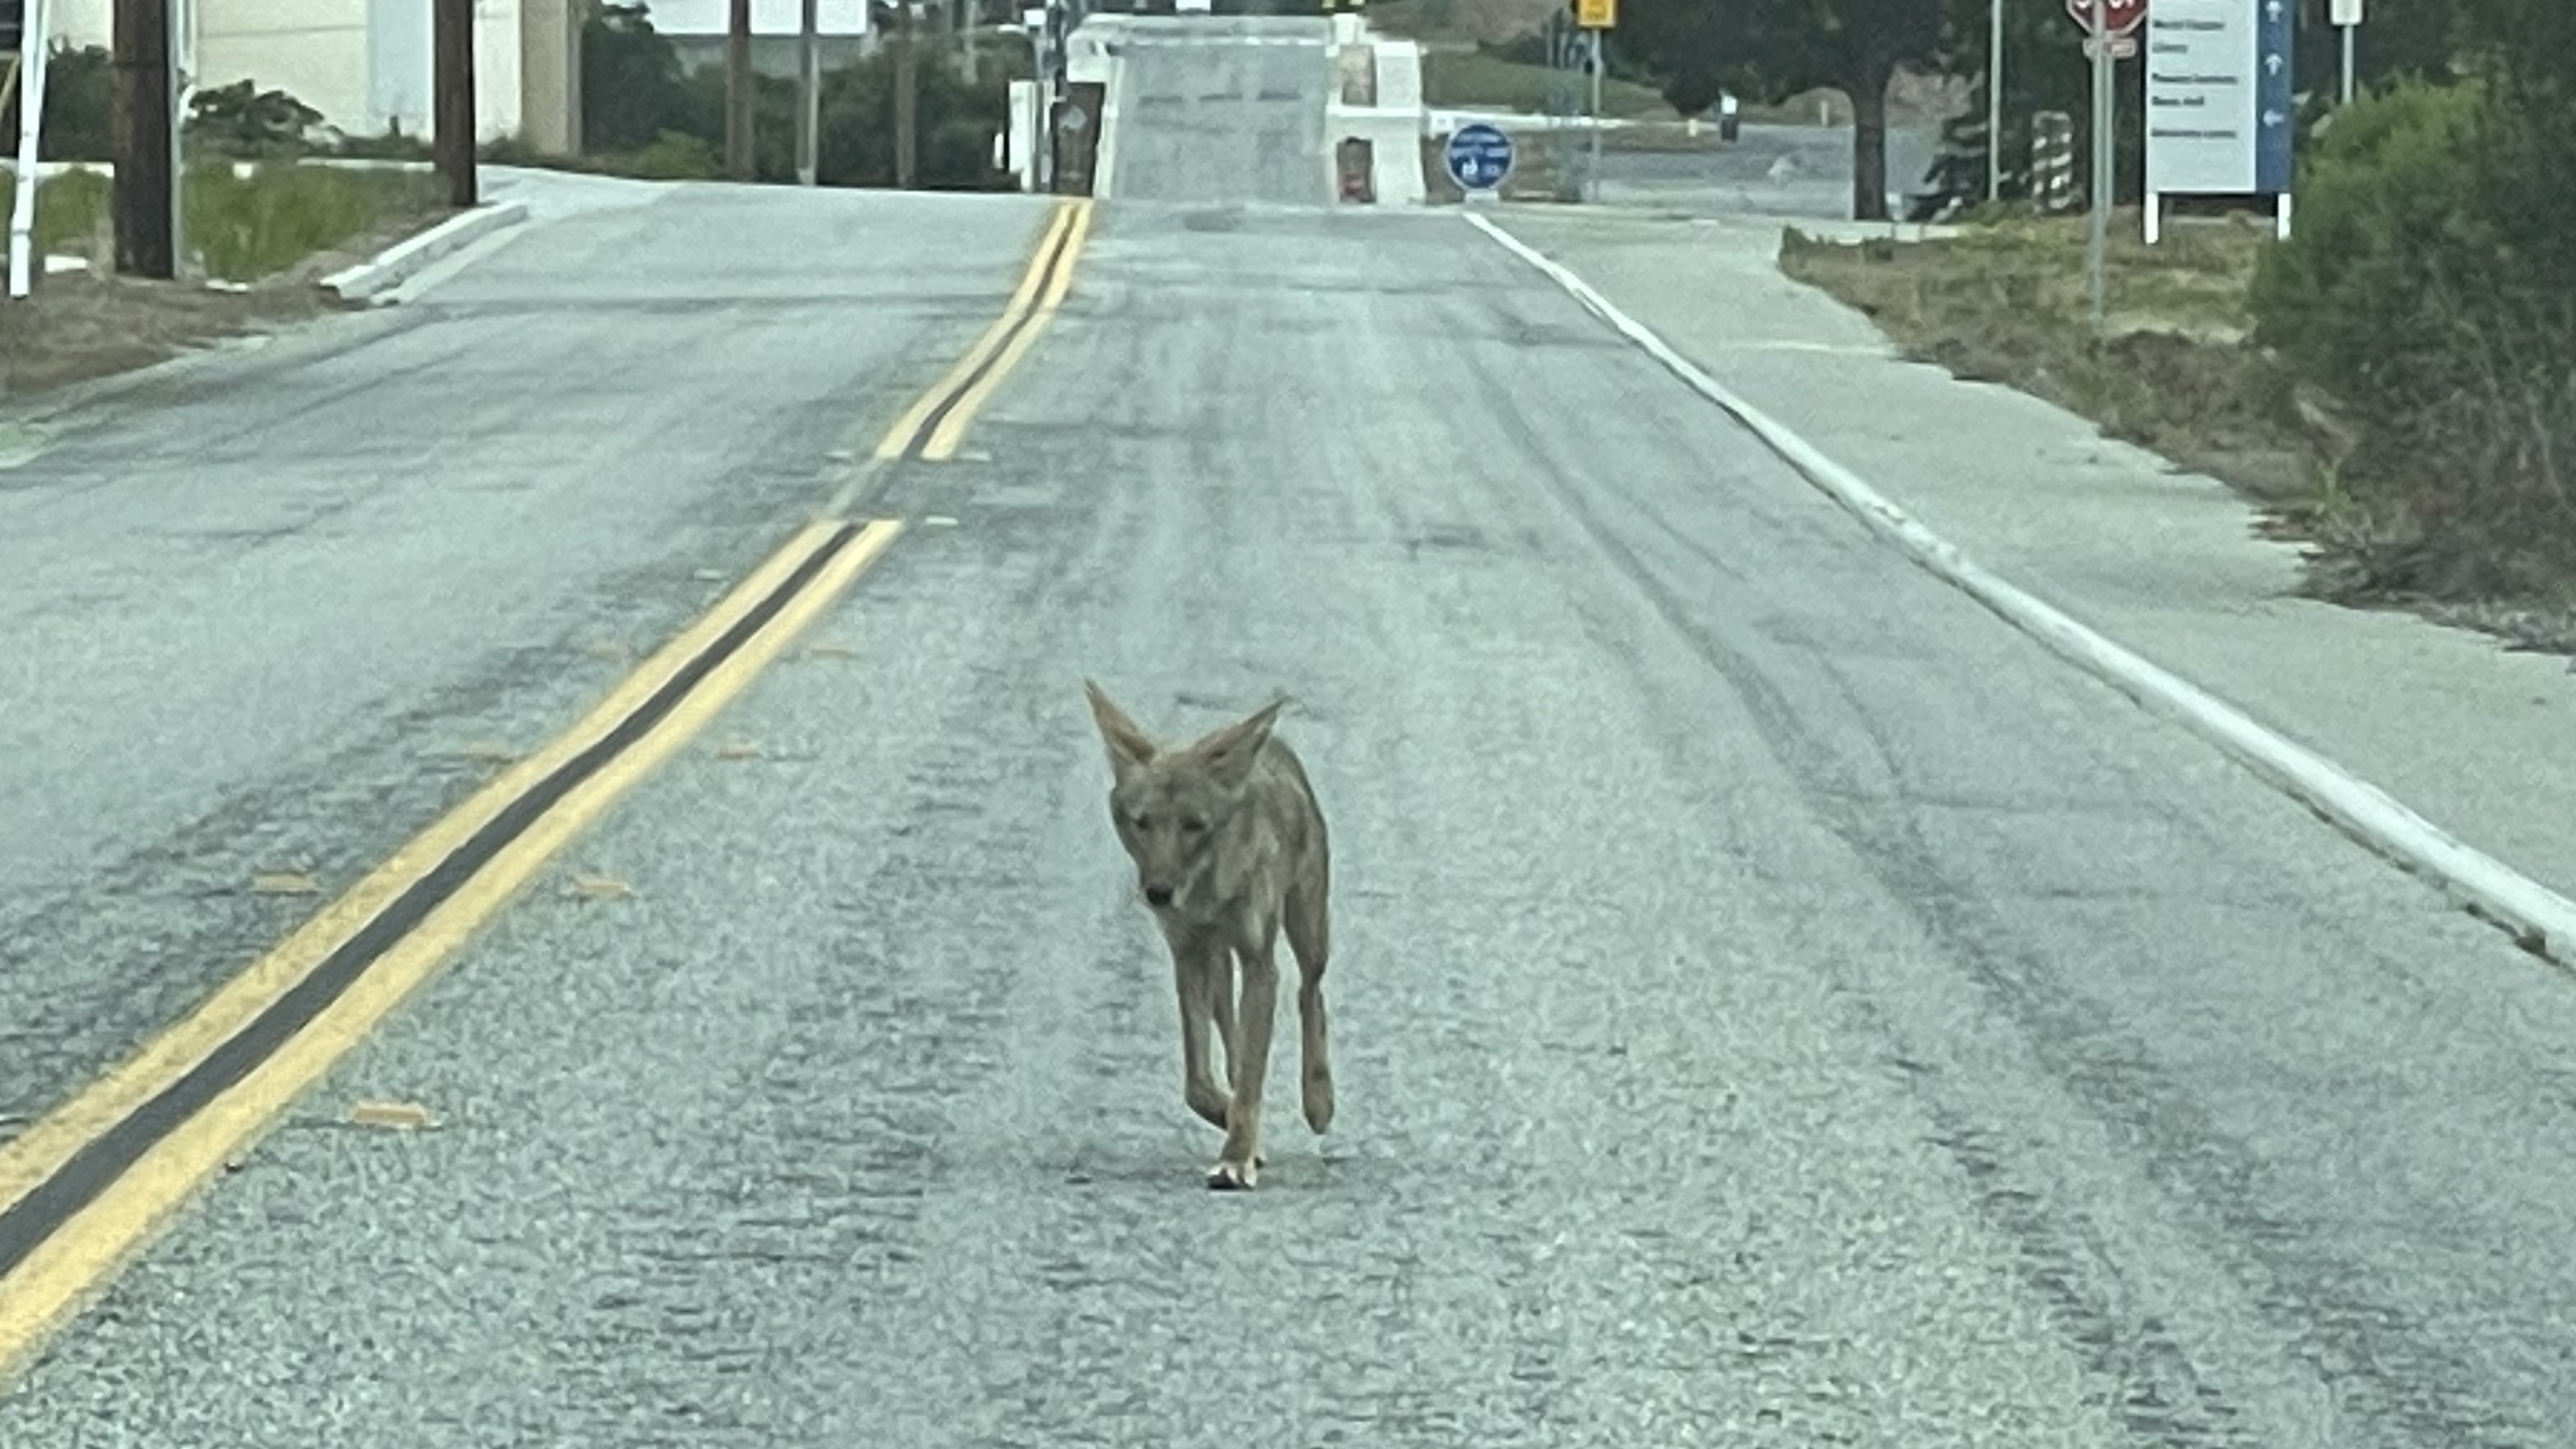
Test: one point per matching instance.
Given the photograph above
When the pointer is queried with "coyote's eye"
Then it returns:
(1193, 825)
(1142, 822)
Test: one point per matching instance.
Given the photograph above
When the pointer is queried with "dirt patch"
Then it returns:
(2009, 303)
(84, 325)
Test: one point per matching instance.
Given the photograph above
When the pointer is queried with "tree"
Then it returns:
(631, 87)
(1775, 49)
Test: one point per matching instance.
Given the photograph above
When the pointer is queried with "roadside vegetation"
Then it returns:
(645, 116)
(2395, 384)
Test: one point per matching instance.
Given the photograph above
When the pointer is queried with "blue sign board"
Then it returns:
(2275, 106)
(1479, 156)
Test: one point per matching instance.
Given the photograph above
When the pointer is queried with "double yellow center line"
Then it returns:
(89, 1185)
(933, 427)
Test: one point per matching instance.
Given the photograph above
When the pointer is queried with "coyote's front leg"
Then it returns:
(1238, 1162)
(1198, 976)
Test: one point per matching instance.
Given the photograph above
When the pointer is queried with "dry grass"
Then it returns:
(2008, 302)
(79, 326)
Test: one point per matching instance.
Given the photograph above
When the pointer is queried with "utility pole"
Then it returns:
(738, 112)
(907, 99)
(143, 191)
(809, 96)
(452, 114)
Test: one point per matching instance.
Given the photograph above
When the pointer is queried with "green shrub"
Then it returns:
(249, 227)
(2413, 291)
(2388, 220)
(677, 156)
(71, 207)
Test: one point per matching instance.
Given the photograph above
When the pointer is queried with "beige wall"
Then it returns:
(550, 74)
(317, 51)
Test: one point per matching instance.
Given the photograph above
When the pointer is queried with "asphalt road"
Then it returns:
(1774, 1003)
(1784, 171)
(258, 613)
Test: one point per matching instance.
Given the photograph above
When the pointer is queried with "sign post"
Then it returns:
(2346, 15)
(2110, 31)
(1594, 17)
(1479, 156)
(2220, 118)
(1995, 101)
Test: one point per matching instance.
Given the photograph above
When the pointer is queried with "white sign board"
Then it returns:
(2217, 97)
(2346, 12)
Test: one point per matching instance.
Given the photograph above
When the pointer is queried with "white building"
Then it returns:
(366, 64)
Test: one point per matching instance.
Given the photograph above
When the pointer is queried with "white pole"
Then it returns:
(2097, 258)
(175, 22)
(1593, 178)
(809, 97)
(31, 119)
(2347, 63)
(1995, 105)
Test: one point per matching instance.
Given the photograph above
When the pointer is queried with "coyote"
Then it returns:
(1229, 848)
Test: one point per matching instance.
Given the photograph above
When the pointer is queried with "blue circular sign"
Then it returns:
(1479, 156)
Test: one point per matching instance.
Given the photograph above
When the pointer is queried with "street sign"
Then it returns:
(1479, 156)
(2125, 16)
(2220, 116)
(2279, 119)
(2123, 47)
(2345, 13)
(1596, 14)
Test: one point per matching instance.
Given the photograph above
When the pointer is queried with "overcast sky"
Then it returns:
(768, 17)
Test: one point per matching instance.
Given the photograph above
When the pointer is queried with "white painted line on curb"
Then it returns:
(397, 263)
(2542, 921)
(1104, 160)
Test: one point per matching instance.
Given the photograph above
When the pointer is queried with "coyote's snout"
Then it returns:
(1230, 851)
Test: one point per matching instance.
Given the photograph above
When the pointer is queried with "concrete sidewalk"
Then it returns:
(2473, 737)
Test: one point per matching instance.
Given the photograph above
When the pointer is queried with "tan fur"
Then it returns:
(1230, 850)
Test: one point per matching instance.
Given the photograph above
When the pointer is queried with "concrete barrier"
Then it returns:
(398, 263)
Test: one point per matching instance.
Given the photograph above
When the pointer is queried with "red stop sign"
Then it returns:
(2125, 15)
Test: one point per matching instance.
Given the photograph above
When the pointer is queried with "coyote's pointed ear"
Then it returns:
(1129, 747)
(1229, 752)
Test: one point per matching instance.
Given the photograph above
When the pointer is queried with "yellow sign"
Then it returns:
(1596, 14)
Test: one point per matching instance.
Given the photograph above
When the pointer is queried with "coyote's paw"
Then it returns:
(1319, 1103)
(1233, 1176)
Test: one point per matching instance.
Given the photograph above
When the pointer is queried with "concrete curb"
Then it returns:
(398, 263)
(2541, 921)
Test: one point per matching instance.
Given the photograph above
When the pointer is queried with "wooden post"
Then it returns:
(141, 58)
(452, 80)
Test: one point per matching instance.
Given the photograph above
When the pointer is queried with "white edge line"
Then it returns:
(2543, 920)
(389, 268)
